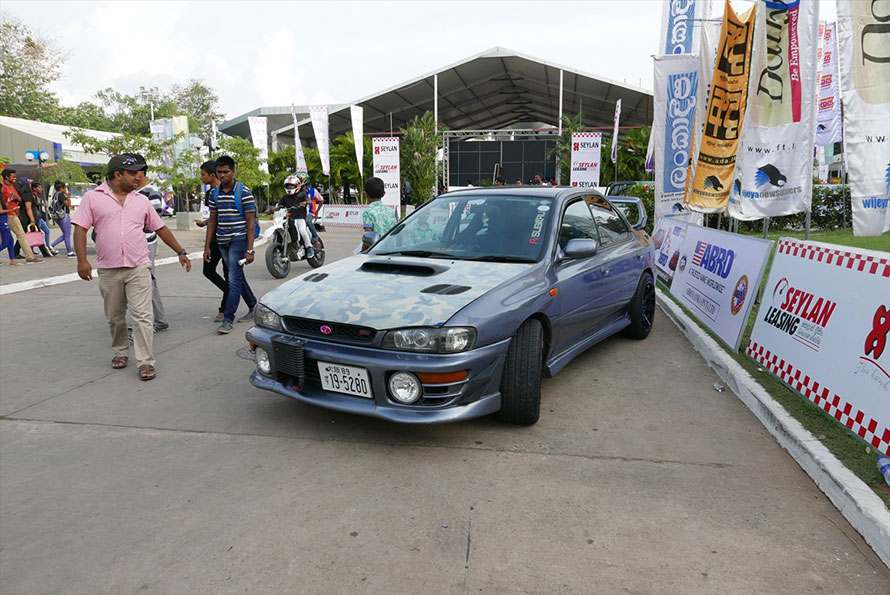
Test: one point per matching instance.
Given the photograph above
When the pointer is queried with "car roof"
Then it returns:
(523, 191)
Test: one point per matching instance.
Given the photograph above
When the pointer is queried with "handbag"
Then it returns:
(35, 238)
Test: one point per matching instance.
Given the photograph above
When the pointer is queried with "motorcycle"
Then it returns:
(282, 250)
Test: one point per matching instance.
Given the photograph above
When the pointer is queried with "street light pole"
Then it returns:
(151, 94)
(40, 157)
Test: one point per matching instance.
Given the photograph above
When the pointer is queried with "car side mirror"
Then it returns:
(580, 248)
(369, 238)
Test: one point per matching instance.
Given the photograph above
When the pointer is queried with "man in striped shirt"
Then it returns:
(232, 217)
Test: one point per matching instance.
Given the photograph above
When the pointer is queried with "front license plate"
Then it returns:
(345, 379)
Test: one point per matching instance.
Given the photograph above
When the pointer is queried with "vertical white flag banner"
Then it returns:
(586, 147)
(828, 114)
(356, 112)
(386, 167)
(615, 132)
(214, 140)
(774, 166)
(680, 24)
(298, 146)
(863, 36)
(319, 116)
(676, 90)
(259, 138)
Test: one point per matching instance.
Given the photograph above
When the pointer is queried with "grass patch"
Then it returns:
(848, 447)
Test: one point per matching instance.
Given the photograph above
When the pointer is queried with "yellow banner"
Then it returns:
(725, 113)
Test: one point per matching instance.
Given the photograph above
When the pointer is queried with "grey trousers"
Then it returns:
(157, 304)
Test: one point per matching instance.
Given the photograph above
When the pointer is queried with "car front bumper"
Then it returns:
(476, 396)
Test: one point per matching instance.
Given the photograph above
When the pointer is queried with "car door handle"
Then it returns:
(605, 271)
(639, 256)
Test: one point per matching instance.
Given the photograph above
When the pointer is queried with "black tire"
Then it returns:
(276, 260)
(642, 309)
(521, 379)
(317, 260)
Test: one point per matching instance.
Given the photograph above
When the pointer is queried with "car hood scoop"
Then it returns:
(384, 293)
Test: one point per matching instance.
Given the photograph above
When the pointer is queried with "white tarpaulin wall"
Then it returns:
(774, 164)
(865, 85)
(822, 328)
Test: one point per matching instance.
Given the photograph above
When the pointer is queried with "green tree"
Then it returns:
(247, 164)
(344, 167)
(562, 148)
(86, 115)
(418, 149)
(63, 171)
(200, 103)
(631, 157)
(281, 165)
(29, 65)
(132, 115)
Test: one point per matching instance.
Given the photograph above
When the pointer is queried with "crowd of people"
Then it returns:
(24, 211)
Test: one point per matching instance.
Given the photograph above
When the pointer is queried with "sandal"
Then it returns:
(146, 372)
(119, 361)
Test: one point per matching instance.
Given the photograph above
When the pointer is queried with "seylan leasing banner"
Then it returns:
(863, 35)
(725, 114)
(386, 167)
(828, 110)
(676, 89)
(586, 147)
(774, 166)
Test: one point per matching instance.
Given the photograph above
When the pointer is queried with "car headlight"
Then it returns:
(431, 339)
(265, 317)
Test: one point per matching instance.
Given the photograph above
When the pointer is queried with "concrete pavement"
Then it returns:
(639, 476)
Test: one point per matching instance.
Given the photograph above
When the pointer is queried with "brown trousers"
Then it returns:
(129, 289)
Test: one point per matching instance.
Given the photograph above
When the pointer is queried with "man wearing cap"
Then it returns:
(119, 213)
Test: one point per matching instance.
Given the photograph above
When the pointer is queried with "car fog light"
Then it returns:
(262, 361)
(405, 387)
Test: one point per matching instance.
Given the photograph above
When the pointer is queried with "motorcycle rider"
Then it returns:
(295, 201)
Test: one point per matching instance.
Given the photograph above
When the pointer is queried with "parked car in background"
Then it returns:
(461, 308)
(620, 188)
(77, 191)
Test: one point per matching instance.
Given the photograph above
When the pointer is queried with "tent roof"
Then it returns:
(55, 133)
(495, 89)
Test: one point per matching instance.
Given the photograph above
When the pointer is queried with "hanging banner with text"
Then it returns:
(822, 329)
(725, 114)
(585, 159)
(615, 131)
(774, 168)
(863, 36)
(386, 167)
(298, 146)
(680, 24)
(357, 115)
(676, 86)
(828, 114)
(717, 276)
(319, 117)
(258, 136)
(667, 237)
(343, 215)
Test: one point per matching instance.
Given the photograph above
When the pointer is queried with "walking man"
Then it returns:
(232, 219)
(119, 213)
(208, 177)
(151, 192)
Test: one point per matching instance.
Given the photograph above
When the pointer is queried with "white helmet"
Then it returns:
(294, 181)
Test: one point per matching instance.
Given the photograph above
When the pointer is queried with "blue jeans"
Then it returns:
(238, 287)
(42, 226)
(309, 219)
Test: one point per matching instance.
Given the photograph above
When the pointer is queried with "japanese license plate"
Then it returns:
(345, 379)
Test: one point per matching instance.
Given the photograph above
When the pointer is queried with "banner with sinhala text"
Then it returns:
(386, 167)
(319, 117)
(357, 114)
(585, 158)
(774, 166)
(863, 35)
(258, 134)
(680, 24)
(828, 111)
(676, 87)
(725, 114)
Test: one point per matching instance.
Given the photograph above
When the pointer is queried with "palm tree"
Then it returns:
(562, 148)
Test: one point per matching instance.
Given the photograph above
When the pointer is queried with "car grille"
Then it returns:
(341, 333)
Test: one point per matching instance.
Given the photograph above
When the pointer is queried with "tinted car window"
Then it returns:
(577, 222)
(612, 228)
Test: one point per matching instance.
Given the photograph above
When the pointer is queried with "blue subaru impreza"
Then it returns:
(461, 308)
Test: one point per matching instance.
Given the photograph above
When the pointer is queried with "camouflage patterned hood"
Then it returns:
(387, 292)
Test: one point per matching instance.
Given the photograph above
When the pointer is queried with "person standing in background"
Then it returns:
(6, 239)
(13, 204)
(208, 177)
(40, 211)
(151, 192)
(60, 211)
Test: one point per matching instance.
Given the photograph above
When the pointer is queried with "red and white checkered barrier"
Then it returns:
(822, 396)
(864, 263)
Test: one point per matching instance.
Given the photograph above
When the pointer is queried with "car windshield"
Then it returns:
(493, 227)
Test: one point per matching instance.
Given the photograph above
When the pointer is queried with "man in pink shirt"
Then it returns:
(119, 214)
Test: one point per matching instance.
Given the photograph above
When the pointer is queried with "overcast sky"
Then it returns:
(277, 53)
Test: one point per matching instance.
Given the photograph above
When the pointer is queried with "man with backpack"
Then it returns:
(233, 222)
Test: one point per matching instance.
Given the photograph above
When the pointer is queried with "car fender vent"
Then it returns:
(445, 289)
(401, 268)
(315, 277)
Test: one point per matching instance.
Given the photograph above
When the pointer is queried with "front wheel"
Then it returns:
(521, 379)
(276, 259)
(642, 309)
